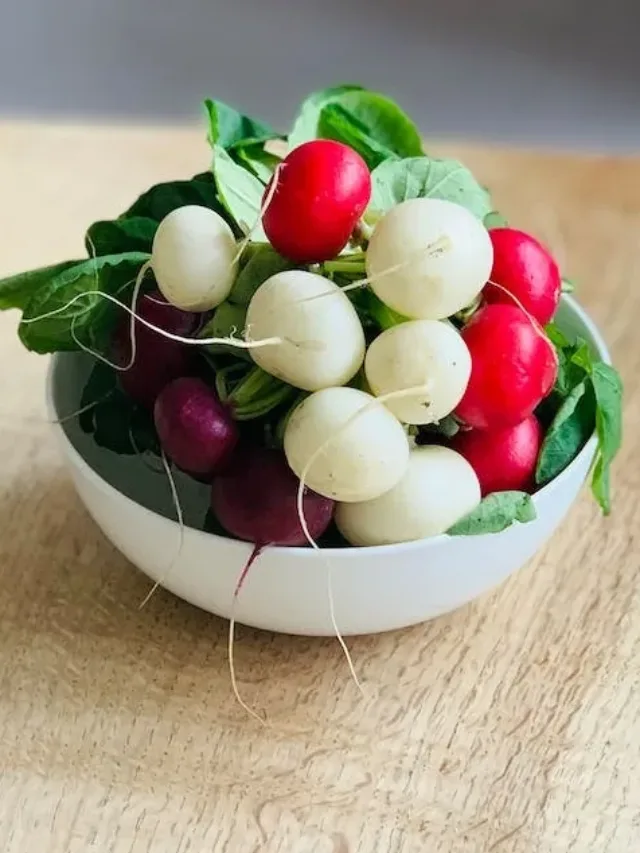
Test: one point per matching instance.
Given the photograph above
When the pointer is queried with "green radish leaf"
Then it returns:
(229, 128)
(263, 263)
(424, 177)
(373, 311)
(252, 156)
(374, 115)
(581, 356)
(90, 318)
(112, 237)
(447, 427)
(574, 360)
(142, 431)
(494, 219)
(17, 290)
(339, 124)
(557, 336)
(595, 391)
(570, 430)
(567, 285)
(100, 385)
(607, 386)
(305, 126)
(495, 513)
(111, 426)
(570, 375)
(227, 321)
(240, 193)
(124, 428)
(115, 423)
(281, 425)
(161, 199)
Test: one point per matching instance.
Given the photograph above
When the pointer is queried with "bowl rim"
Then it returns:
(305, 552)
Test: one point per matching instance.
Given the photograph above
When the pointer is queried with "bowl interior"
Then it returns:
(143, 481)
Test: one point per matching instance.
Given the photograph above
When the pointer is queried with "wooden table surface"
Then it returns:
(512, 725)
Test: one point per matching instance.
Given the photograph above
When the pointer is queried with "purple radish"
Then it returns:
(196, 431)
(255, 499)
(158, 360)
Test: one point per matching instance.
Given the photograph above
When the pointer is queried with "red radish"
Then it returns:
(158, 360)
(527, 270)
(503, 459)
(195, 430)
(322, 189)
(513, 367)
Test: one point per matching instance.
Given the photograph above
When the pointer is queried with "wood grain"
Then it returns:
(512, 725)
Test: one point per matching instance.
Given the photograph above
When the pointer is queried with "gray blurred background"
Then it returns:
(557, 72)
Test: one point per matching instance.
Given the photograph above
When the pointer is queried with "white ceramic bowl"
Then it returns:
(375, 589)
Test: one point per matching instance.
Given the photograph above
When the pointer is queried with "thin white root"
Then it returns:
(232, 668)
(145, 461)
(232, 624)
(180, 520)
(80, 411)
(392, 395)
(132, 331)
(413, 391)
(515, 299)
(144, 269)
(535, 324)
(234, 342)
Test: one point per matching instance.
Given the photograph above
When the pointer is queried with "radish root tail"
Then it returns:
(80, 411)
(232, 669)
(180, 519)
(232, 625)
(392, 395)
(229, 341)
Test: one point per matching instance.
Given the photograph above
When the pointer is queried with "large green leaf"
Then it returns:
(229, 128)
(569, 431)
(365, 115)
(395, 181)
(254, 157)
(264, 263)
(240, 193)
(161, 199)
(339, 124)
(591, 393)
(112, 237)
(495, 513)
(305, 126)
(17, 290)
(89, 318)
(608, 393)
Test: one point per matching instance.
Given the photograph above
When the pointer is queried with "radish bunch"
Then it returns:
(327, 333)
(365, 394)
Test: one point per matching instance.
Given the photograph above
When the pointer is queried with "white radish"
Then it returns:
(430, 353)
(428, 258)
(346, 446)
(324, 342)
(194, 258)
(438, 488)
